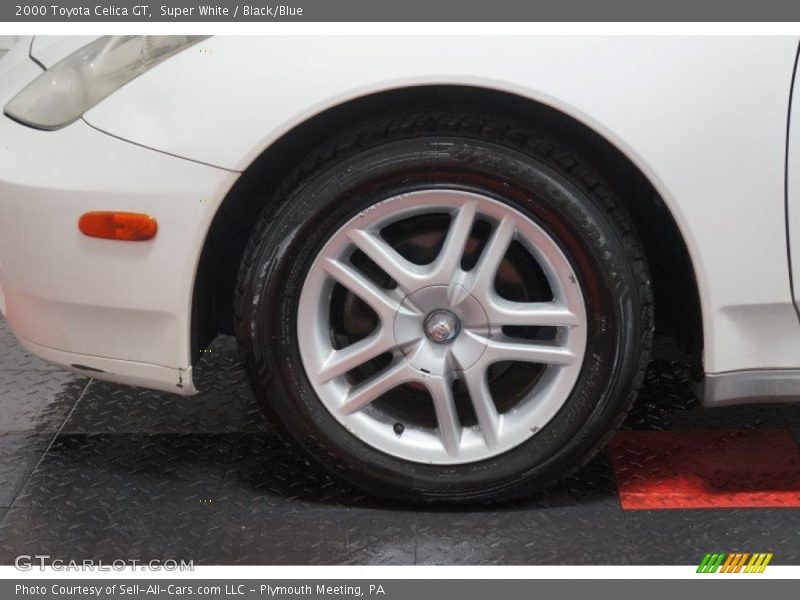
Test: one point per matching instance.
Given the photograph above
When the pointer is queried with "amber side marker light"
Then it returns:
(125, 226)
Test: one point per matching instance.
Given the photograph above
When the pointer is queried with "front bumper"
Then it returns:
(113, 310)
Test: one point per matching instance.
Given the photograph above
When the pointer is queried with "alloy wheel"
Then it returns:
(426, 357)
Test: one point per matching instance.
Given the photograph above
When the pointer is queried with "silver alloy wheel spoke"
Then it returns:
(537, 314)
(448, 262)
(377, 299)
(358, 397)
(407, 275)
(339, 362)
(480, 281)
(484, 406)
(429, 352)
(441, 390)
(510, 349)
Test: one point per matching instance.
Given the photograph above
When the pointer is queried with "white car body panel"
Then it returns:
(704, 118)
(115, 307)
(674, 105)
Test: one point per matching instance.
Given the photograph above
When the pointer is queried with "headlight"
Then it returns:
(69, 88)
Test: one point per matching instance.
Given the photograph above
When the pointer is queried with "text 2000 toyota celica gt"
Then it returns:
(445, 259)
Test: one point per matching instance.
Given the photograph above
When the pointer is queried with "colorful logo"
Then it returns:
(735, 562)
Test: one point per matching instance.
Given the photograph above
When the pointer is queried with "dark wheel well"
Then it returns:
(677, 304)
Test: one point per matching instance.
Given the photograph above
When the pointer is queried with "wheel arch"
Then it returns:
(677, 300)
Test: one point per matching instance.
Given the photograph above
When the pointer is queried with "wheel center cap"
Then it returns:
(442, 326)
(435, 340)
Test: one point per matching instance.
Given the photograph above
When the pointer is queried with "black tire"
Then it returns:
(511, 162)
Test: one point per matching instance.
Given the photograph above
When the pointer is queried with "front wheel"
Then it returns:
(445, 308)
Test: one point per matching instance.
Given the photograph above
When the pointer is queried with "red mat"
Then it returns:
(706, 469)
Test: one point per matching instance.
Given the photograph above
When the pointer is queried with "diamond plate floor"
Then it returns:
(92, 469)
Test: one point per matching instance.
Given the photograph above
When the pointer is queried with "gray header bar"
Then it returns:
(183, 11)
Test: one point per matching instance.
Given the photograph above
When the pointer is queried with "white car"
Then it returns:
(444, 258)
